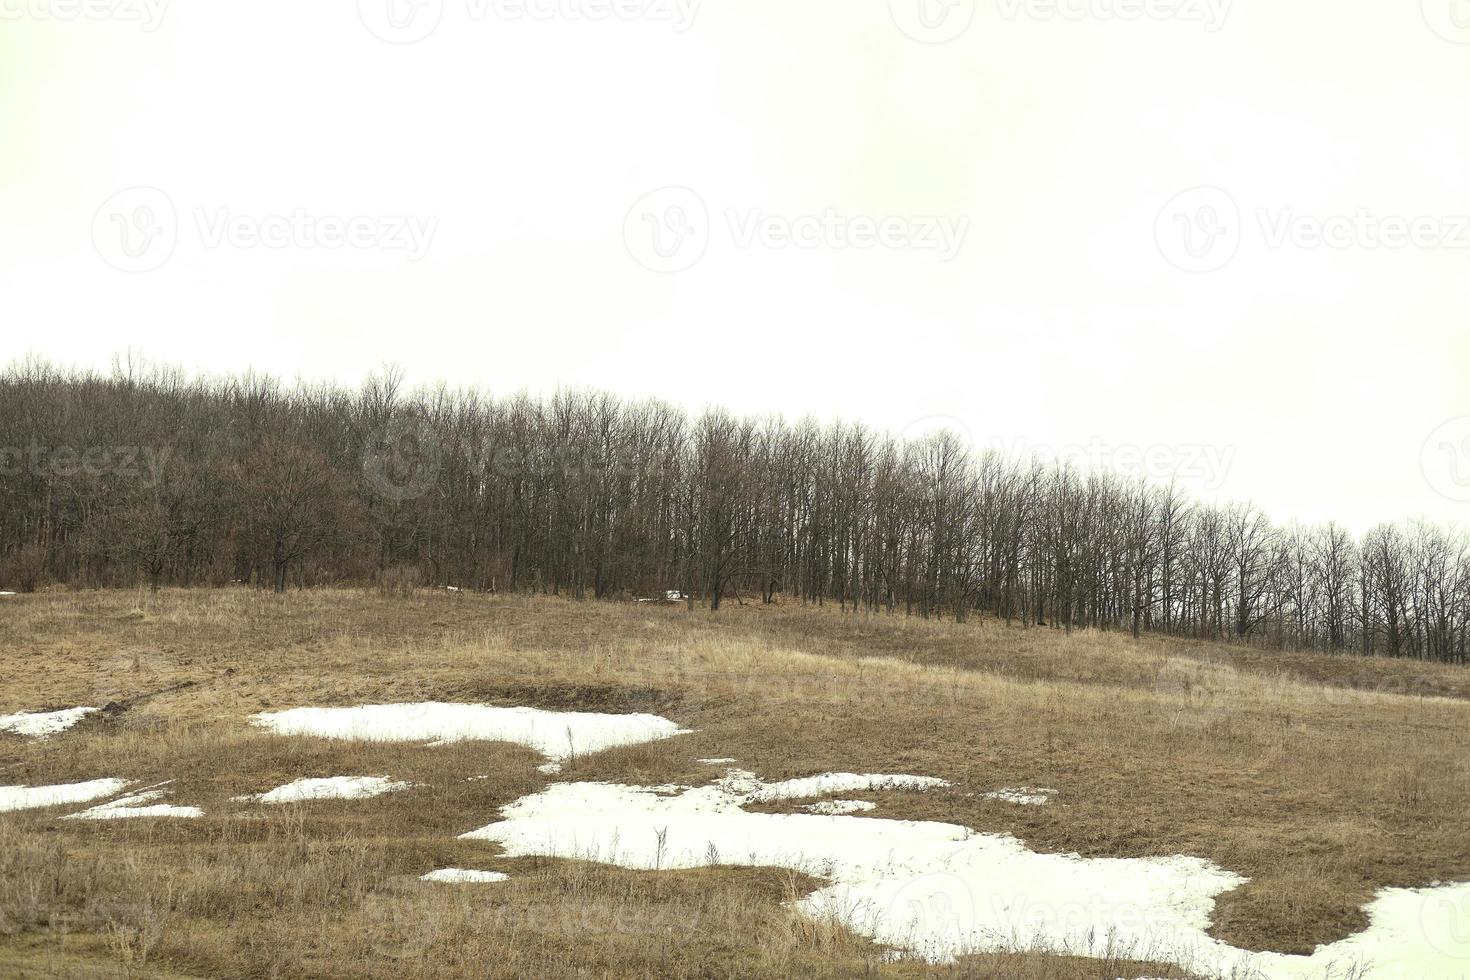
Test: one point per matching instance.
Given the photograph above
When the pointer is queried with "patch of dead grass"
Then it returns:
(1320, 792)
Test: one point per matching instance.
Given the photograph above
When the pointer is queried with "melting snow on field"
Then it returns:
(742, 783)
(834, 808)
(329, 788)
(43, 723)
(1024, 796)
(459, 876)
(35, 797)
(558, 735)
(138, 805)
(939, 890)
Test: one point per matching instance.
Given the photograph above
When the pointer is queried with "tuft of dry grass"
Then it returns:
(1318, 779)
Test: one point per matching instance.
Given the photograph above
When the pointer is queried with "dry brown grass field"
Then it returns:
(1321, 779)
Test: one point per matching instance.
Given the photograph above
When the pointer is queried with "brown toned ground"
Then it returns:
(1280, 767)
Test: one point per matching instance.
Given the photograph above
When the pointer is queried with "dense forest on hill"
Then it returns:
(146, 475)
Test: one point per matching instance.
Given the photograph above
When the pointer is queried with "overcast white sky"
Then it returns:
(1000, 237)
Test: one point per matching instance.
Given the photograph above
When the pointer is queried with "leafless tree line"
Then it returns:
(146, 475)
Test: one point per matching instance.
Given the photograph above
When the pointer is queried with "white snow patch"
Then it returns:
(834, 808)
(716, 762)
(939, 890)
(1022, 796)
(43, 723)
(459, 876)
(7, 593)
(549, 768)
(137, 805)
(558, 735)
(329, 788)
(35, 797)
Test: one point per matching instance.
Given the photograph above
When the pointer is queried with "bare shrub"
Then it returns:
(25, 567)
(399, 580)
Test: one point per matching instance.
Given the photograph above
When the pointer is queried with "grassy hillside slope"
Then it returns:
(1321, 779)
